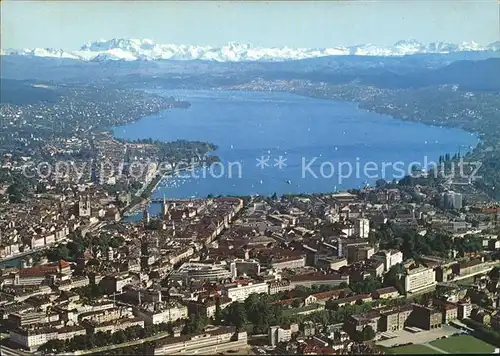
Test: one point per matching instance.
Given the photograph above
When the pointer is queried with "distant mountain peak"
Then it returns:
(145, 49)
(132, 44)
(409, 41)
(495, 46)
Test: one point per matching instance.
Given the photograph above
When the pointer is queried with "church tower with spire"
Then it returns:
(84, 209)
(145, 216)
(164, 207)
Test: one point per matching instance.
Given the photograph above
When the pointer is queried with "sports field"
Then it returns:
(411, 349)
(463, 344)
(453, 345)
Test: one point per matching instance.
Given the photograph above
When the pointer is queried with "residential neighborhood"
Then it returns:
(309, 274)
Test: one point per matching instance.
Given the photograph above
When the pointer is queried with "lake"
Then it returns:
(279, 142)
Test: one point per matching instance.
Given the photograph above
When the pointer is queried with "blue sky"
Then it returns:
(70, 24)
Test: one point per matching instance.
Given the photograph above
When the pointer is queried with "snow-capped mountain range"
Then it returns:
(135, 49)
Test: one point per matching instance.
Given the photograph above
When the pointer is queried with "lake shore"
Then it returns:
(248, 125)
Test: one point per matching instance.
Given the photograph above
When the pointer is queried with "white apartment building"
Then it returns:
(50, 239)
(419, 279)
(241, 292)
(118, 324)
(32, 339)
(389, 257)
(103, 316)
(277, 334)
(212, 307)
(164, 315)
(362, 227)
(37, 241)
(291, 263)
(464, 310)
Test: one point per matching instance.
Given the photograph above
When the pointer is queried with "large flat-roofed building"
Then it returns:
(206, 343)
(395, 318)
(114, 325)
(426, 318)
(343, 244)
(277, 334)
(317, 279)
(240, 292)
(157, 313)
(389, 257)
(31, 339)
(452, 200)
(279, 286)
(202, 272)
(472, 267)
(248, 267)
(330, 262)
(359, 321)
(357, 253)
(385, 293)
(288, 262)
(419, 279)
(208, 306)
(103, 316)
(24, 319)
